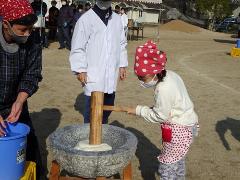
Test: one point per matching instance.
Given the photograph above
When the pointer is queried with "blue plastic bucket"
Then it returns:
(13, 151)
(238, 43)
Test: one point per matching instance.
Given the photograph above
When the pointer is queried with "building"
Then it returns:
(144, 11)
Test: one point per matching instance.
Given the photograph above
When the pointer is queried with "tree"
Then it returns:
(235, 2)
(214, 9)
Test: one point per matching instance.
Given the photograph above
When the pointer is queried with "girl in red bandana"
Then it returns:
(173, 109)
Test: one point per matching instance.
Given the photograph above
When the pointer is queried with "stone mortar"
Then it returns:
(61, 144)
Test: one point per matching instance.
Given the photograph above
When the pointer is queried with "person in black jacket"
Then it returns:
(65, 19)
(77, 14)
(52, 21)
(87, 6)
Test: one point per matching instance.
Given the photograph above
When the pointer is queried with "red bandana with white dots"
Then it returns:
(149, 60)
(14, 9)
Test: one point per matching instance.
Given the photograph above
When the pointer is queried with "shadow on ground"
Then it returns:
(225, 125)
(45, 122)
(225, 41)
(146, 153)
(234, 36)
(80, 103)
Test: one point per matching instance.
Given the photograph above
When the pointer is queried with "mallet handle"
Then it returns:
(115, 108)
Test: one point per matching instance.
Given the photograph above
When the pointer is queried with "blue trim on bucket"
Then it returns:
(20, 128)
(238, 43)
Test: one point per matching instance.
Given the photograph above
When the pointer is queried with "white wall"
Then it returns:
(133, 14)
(150, 17)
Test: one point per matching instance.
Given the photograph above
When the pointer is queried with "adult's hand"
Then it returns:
(2, 127)
(17, 107)
(82, 77)
(122, 73)
(15, 111)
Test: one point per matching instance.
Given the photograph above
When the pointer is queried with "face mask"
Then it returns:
(17, 38)
(104, 4)
(149, 84)
(64, 3)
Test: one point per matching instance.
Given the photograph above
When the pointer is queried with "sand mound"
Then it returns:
(178, 25)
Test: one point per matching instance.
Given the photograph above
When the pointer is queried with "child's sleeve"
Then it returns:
(162, 109)
(80, 38)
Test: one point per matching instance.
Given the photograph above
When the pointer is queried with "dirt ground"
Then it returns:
(212, 77)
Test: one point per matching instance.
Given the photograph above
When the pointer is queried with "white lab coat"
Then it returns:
(99, 50)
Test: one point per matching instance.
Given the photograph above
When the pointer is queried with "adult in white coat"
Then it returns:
(98, 55)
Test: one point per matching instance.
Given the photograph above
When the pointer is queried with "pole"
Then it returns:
(95, 137)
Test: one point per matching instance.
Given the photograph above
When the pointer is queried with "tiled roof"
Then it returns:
(143, 1)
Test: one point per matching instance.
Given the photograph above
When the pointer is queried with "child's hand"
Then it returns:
(131, 111)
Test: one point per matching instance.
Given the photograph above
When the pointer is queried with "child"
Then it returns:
(173, 109)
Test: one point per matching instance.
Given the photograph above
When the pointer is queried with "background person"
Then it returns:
(65, 19)
(53, 17)
(117, 9)
(78, 13)
(40, 9)
(88, 6)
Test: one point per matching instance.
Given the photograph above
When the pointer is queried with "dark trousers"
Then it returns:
(108, 100)
(52, 33)
(64, 36)
(33, 152)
